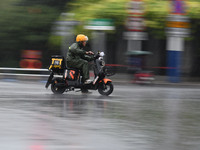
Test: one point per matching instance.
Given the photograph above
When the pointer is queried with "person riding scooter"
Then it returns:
(78, 58)
(64, 79)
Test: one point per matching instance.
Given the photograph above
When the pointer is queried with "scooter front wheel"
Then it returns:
(58, 86)
(105, 89)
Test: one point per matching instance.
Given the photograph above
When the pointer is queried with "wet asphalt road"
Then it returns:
(132, 118)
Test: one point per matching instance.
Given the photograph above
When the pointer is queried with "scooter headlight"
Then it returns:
(101, 54)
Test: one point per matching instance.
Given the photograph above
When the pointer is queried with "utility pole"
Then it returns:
(177, 30)
(135, 26)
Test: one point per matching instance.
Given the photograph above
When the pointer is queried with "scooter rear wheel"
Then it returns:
(106, 89)
(56, 88)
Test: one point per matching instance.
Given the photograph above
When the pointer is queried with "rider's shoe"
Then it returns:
(88, 81)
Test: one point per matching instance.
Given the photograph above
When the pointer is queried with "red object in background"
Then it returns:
(30, 63)
(144, 77)
(36, 147)
(138, 75)
(32, 54)
(31, 59)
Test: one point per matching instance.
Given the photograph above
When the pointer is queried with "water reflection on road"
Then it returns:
(163, 120)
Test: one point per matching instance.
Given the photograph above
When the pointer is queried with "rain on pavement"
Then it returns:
(133, 118)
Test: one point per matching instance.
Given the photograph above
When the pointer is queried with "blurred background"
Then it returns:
(32, 31)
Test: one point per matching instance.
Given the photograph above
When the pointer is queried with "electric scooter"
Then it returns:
(64, 79)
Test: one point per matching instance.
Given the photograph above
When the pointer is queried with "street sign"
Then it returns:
(178, 7)
(173, 24)
(178, 25)
(100, 24)
(135, 35)
(135, 20)
(136, 7)
(135, 24)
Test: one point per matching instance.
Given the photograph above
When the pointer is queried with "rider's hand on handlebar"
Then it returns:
(89, 53)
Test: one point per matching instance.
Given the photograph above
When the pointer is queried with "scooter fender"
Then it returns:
(106, 80)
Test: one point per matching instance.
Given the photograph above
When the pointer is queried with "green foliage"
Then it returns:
(25, 24)
(91, 9)
(55, 40)
(155, 12)
(193, 9)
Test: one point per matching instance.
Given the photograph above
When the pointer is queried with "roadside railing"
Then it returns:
(23, 73)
